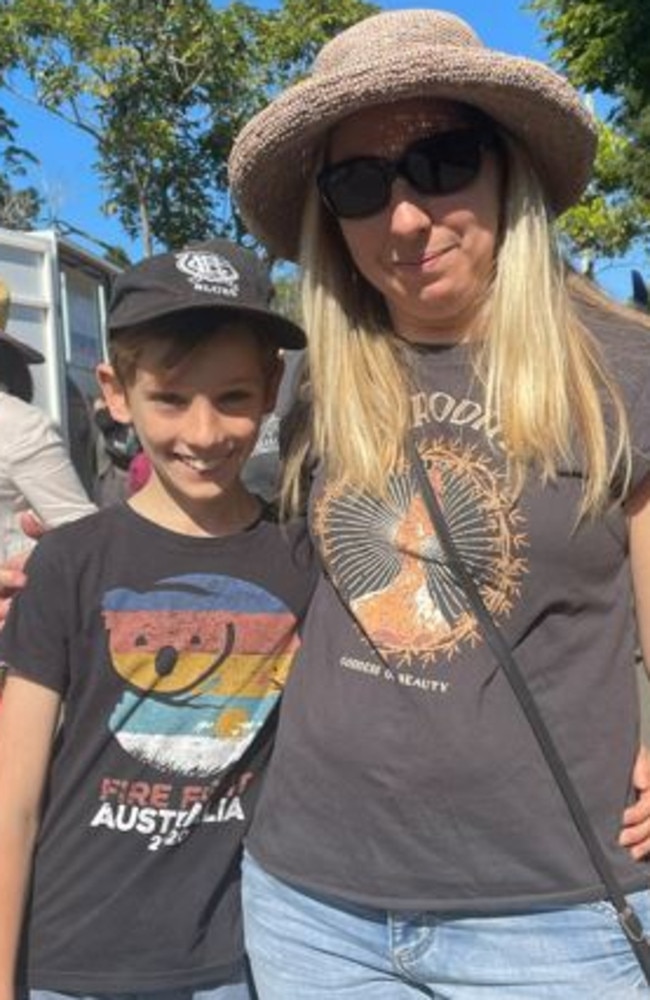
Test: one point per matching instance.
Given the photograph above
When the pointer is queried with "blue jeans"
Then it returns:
(234, 989)
(304, 946)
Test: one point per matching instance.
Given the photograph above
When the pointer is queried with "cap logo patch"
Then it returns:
(208, 272)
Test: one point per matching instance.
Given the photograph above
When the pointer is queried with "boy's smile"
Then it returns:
(198, 423)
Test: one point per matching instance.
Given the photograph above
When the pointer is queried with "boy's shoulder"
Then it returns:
(294, 550)
(74, 539)
(116, 543)
(287, 531)
(117, 519)
(104, 519)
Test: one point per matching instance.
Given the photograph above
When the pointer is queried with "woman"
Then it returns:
(410, 840)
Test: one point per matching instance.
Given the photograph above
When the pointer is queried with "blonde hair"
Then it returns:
(545, 384)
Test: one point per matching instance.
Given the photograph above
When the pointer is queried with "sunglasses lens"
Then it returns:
(442, 164)
(355, 188)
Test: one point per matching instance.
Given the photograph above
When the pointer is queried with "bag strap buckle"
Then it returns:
(632, 926)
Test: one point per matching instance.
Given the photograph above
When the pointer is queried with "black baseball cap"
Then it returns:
(27, 353)
(217, 275)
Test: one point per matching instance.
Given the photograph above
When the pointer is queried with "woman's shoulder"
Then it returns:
(618, 326)
(624, 342)
(623, 336)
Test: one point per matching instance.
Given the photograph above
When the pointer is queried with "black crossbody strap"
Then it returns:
(627, 916)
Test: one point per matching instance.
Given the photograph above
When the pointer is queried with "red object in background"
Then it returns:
(139, 472)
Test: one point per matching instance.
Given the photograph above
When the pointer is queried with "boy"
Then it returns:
(165, 626)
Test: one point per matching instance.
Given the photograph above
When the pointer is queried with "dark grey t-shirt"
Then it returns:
(170, 653)
(417, 784)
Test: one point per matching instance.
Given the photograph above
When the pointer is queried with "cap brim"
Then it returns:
(284, 332)
(29, 354)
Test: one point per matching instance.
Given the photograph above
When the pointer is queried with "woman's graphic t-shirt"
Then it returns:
(410, 779)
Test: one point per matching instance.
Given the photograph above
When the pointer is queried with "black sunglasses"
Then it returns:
(440, 164)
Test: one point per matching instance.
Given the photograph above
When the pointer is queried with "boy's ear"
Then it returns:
(113, 392)
(273, 384)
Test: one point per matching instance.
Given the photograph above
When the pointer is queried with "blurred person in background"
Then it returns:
(36, 472)
(35, 469)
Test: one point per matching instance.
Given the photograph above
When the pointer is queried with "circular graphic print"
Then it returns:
(386, 560)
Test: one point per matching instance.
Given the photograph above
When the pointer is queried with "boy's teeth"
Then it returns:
(198, 463)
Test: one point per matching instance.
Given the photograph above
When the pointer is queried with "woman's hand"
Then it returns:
(635, 834)
(12, 579)
(12, 574)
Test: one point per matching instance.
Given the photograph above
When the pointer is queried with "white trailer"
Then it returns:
(58, 305)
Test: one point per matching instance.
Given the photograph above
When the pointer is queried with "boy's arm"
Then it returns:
(28, 719)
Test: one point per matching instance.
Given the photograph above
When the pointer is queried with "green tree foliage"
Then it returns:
(609, 218)
(19, 206)
(286, 299)
(605, 45)
(162, 86)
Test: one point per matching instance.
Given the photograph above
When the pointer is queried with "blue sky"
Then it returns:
(66, 179)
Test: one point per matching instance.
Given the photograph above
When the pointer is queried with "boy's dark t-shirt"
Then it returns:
(170, 653)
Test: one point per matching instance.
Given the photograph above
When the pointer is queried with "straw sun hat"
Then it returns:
(394, 56)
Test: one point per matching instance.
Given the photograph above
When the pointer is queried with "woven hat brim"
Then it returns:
(275, 154)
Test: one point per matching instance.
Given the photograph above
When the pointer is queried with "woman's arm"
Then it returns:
(28, 719)
(635, 834)
(12, 572)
